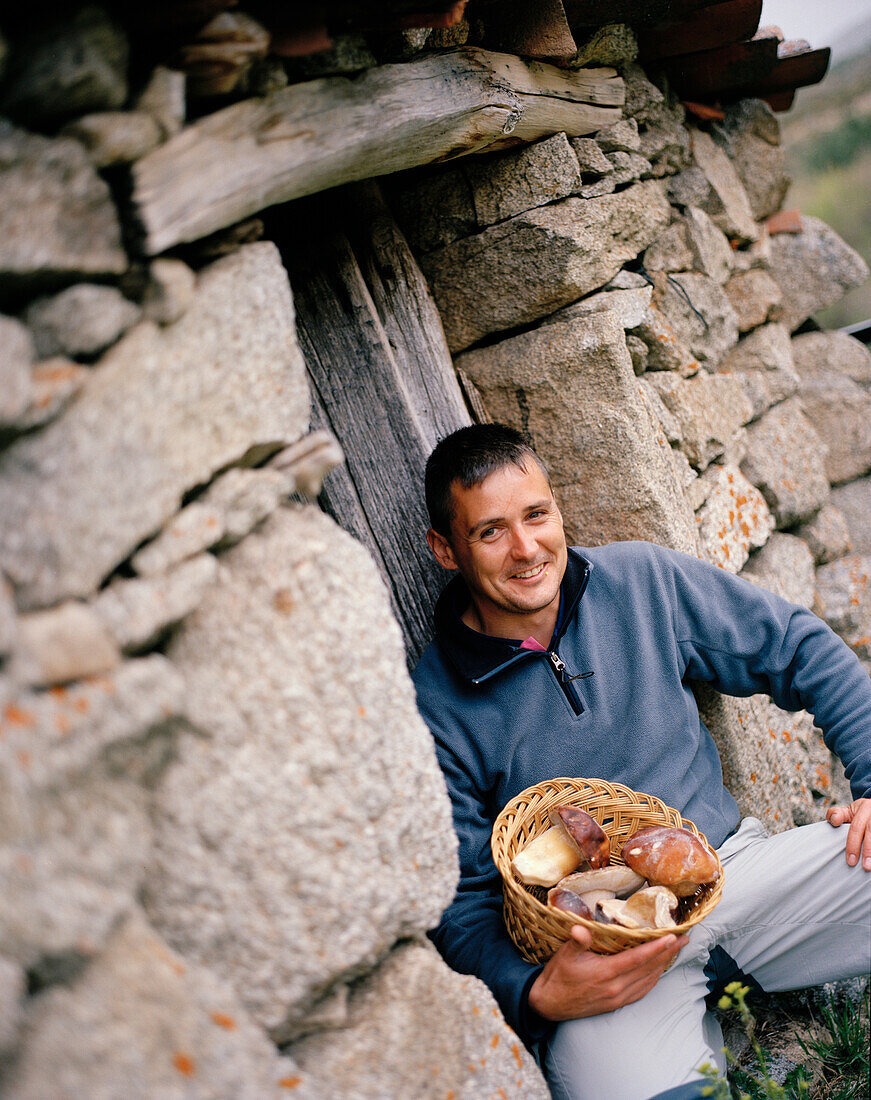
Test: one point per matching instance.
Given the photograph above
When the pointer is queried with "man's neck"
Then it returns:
(514, 626)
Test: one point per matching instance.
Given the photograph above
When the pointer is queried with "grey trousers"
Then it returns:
(792, 914)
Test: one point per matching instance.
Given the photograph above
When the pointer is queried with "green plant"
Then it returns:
(838, 1065)
(844, 1055)
(761, 1086)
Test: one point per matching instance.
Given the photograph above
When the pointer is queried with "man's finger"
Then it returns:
(859, 837)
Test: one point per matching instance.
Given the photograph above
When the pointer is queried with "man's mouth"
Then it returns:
(528, 574)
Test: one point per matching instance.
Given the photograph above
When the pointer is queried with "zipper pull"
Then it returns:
(560, 666)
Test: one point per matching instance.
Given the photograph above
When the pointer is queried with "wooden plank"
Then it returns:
(724, 71)
(595, 13)
(363, 392)
(316, 135)
(704, 29)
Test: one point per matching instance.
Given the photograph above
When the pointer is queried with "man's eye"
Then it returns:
(488, 532)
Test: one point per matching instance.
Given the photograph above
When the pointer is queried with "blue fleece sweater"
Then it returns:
(643, 620)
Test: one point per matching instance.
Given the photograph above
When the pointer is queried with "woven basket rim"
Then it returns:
(536, 928)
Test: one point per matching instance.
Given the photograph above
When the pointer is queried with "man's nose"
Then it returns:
(523, 544)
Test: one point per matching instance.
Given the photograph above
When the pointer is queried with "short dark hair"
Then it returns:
(469, 455)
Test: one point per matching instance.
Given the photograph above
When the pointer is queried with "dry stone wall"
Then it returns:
(223, 832)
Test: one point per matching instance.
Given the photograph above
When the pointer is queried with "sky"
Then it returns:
(821, 22)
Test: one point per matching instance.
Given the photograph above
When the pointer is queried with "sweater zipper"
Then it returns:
(565, 681)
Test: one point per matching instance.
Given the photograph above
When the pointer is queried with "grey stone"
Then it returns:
(610, 44)
(708, 246)
(169, 291)
(82, 320)
(598, 188)
(813, 269)
(622, 137)
(670, 252)
(197, 527)
(627, 280)
(16, 359)
(13, 987)
(143, 1023)
(79, 500)
(57, 219)
(785, 566)
(53, 738)
(666, 350)
(638, 351)
(72, 872)
(527, 267)
(827, 534)
(854, 503)
(305, 464)
(116, 137)
(816, 353)
(785, 459)
(701, 314)
(838, 408)
(844, 600)
(63, 643)
(163, 97)
(56, 381)
(8, 628)
(630, 306)
(246, 497)
(435, 209)
(642, 96)
(591, 160)
(617, 492)
(733, 519)
(138, 612)
(74, 63)
(419, 1030)
(315, 813)
(667, 420)
(516, 181)
(754, 770)
(626, 167)
(716, 189)
(764, 364)
(709, 410)
(755, 297)
(750, 136)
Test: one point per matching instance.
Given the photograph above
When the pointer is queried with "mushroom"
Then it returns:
(651, 907)
(569, 902)
(617, 879)
(585, 832)
(546, 859)
(671, 857)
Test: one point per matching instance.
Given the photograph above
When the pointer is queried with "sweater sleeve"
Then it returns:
(471, 935)
(745, 640)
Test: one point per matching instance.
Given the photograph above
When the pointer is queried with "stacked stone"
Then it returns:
(620, 298)
(223, 830)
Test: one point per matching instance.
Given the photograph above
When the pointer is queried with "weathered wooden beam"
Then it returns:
(381, 379)
(315, 135)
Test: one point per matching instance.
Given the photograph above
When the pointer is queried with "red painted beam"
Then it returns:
(722, 72)
(718, 24)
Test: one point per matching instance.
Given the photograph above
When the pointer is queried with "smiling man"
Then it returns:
(552, 661)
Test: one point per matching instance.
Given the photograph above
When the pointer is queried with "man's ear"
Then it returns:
(440, 546)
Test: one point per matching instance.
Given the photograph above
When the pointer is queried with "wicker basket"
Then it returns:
(537, 929)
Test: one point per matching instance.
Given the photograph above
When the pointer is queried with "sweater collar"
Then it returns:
(478, 656)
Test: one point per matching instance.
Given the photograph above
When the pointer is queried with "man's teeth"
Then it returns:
(529, 573)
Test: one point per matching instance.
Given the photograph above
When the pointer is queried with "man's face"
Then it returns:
(508, 543)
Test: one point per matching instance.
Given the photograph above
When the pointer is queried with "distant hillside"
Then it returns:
(827, 135)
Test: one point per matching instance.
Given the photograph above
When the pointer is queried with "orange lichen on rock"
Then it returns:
(184, 1064)
(515, 1050)
(223, 1020)
(494, 1042)
(18, 716)
(290, 1082)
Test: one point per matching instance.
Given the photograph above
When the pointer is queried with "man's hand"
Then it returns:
(576, 982)
(858, 814)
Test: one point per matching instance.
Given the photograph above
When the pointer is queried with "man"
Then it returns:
(551, 661)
